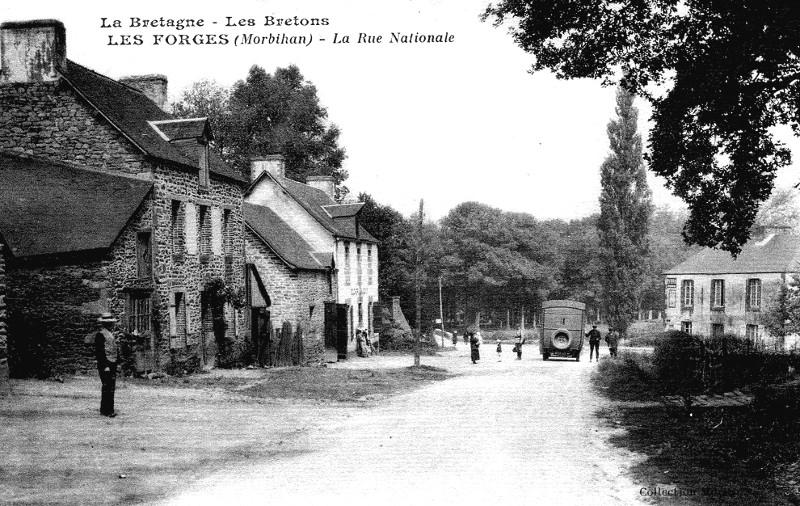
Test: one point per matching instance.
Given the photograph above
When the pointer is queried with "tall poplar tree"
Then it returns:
(625, 210)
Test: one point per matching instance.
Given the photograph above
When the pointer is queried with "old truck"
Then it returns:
(562, 329)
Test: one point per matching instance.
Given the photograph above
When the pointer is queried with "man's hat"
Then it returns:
(594, 326)
(106, 318)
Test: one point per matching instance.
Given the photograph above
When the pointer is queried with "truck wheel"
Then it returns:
(577, 357)
(545, 356)
(562, 340)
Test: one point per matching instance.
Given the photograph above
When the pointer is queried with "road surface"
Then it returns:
(510, 432)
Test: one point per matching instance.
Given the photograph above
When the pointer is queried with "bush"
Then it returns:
(675, 362)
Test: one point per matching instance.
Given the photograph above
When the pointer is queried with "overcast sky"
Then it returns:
(449, 122)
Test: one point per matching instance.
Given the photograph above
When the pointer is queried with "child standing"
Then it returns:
(499, 351)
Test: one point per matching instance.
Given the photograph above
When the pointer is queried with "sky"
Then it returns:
(447, 123)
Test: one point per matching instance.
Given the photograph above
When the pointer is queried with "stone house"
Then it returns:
(107, 202)
(711, 293)
(330, 229)
(287, 282)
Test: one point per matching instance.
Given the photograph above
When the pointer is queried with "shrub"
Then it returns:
(675, 362)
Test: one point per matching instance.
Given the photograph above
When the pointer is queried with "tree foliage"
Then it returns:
(730, 71)
(625, 211)
(266, 114)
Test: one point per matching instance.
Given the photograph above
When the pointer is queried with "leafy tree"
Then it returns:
(266, 114)
(393, 232)
(579, 269)
(494, 260)
(728, 71)
(625, 211)
(780, 210)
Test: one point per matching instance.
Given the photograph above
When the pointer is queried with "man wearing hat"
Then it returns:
(105, 350)
(594, 343)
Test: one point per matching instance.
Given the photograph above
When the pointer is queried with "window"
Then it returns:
(687, 293)
(179, 319)
(751, 333)
(144, 255)
(753, 300)
(359, 272)
(369, 264)
(203, 178)
(671, 297)
(347, 263)
(205, 231)
(717, 293)
(227, 238)
(717, 330)
(138, 313)
(176, 230)
(686, 327)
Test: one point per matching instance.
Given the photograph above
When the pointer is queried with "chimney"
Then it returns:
(324, 183)
(274, 164)
(32, 51)
(154, 86)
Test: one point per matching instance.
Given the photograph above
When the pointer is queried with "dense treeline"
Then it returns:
(495, 264)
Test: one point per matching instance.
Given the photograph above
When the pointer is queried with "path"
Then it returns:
(511, 432)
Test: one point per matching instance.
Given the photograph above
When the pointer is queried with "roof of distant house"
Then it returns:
(131, 112)
(283, 240)
(67, 209)
(775, 253)
(338, 219)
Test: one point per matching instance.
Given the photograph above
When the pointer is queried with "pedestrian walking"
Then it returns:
(594, 343)
(360, 340)
(612, 340)
(518, 346)
(499, 351)
(474, 346)
(455, 337)
(105, 349)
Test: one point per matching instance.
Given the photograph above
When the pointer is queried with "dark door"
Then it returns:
(259, 333)
(341, 331)
(330, 325)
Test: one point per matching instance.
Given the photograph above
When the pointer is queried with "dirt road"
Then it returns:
(510, 432)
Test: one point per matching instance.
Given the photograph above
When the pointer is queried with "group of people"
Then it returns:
(612, 340)
(475, 341)
(364, 345)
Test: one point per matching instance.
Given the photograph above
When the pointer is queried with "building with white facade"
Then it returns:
(711, 293)
(331, 230)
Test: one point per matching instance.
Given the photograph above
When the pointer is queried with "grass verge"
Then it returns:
(715, 455)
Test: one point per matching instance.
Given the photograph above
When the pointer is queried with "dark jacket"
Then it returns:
(105, 349)
(594, 336)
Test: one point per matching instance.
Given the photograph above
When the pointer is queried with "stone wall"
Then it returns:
(3, 334)
(52, 307)
(48, 120)
(297, 297)
(190, 270)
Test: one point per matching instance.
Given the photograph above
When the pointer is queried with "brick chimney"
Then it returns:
(154, 86)
(274, 164)
(32, 51)
(324, 183)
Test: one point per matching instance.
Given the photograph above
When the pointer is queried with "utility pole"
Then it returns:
(418, 283)
(441, 312)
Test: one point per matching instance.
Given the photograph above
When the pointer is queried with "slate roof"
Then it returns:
(283, 240)
(130, 111)
(48, 208)
(776, 253)
(316, 202)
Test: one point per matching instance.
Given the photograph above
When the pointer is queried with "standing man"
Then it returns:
(594, 342)
(518, 346)
(612, 339)
(105, 350)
